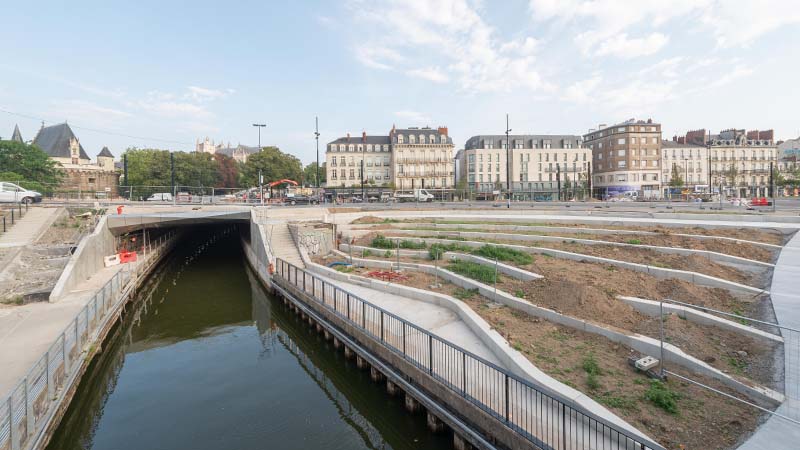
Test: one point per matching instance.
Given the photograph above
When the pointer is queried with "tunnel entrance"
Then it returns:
(205, 358)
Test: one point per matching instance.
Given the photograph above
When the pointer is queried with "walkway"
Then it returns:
(436, 319)
(28, 229)
(28, 331)
(778, 433)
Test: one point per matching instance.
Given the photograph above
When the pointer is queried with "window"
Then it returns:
(600, 145)
(621, 164)
(621, 130)
(654, 140)
(333, 175)
(412, 139)
(620, 152)
(622, 177)
(399, 138)
(421, 138)
(621, 141)
(547, 143)
(518, 144)
(633, 140)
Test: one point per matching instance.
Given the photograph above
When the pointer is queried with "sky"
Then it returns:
(162, 74)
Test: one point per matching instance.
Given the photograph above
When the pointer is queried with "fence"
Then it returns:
(545, 420)
(30, 405)
(9, 215)
(790, 409)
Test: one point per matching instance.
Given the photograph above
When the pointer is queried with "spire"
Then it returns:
(17, 136)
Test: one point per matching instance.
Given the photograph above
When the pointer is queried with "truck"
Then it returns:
(416, 195)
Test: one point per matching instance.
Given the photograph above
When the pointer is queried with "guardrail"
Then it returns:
(29, 406)
(546, 421)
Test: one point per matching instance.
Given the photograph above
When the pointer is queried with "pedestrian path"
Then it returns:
(28, 229)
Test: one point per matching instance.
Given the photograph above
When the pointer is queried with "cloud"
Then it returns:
(201, 94)
(164, 104)
(434, 74)
(414, 117)
(449, 35)
(86, 112)
(580, 91)
(623, 47)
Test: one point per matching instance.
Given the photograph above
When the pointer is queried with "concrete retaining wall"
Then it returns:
(640, 343)
(506, 269)
(712, 256)
(653, 308)
(658, 272)
(86, 261)
(317, 239)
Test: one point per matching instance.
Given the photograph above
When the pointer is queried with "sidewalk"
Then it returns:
(28, 229)
(778, 433)
(28, 331)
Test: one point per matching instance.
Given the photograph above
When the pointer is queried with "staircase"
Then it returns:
(283, 245)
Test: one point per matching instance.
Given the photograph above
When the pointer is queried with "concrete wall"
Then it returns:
(86, 261)
(257, 251)
(317, 239)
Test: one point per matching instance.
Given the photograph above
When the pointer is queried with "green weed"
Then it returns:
(662, 396)
(503, 254)
(469, 269)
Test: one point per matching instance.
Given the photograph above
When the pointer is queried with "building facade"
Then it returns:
(423, 158)
(789, 148)
(688, 162)
(626, 159)
(92, 180)
(408, 158)
(344, 156)
(538, 163)
(740, 164)
(239, 153)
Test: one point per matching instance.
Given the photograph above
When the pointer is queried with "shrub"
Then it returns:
(519, 293)
(662, 396)
(381, 241)
(634, 241)
(592, 382)
(504, 254)
(590, 365)
(463, 294)
(469, 269)
(413, 245)
(436, 250)
(366, 253)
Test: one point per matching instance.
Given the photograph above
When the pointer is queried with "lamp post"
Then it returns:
(316, 136)
(260, 177)
(508, 165)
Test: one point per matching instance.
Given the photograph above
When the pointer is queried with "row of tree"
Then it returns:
(152, 167)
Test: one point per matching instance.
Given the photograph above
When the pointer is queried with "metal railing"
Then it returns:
(543, 419)
(29, 406)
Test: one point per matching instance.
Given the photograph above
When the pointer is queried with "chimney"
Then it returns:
(364, 137)
(348, 137)
(442, 130)
(601, 126)
(649, 120)
(675, 138)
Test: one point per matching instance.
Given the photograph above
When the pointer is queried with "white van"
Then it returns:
(160, 197)
(11, 193)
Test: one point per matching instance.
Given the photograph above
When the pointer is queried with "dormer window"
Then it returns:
(412, 139)
(399, 138)
(421, 138)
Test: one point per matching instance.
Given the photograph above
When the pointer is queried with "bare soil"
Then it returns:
(586, 291)
(704, 420)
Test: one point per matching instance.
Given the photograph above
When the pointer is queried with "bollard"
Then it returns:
(12, 216)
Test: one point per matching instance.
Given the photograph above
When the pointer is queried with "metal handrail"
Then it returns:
(28, 406)
(514, 402)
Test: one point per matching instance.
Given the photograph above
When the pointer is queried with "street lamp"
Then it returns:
(260, 177)
(508, 164)
(316, 136)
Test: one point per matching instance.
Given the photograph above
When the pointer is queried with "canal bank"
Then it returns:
(206, 358)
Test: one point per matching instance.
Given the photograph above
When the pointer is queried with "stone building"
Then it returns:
(93, 180)
(239, 153)
(410, 158)
(626, 159)
(689, 161)
(538, 163)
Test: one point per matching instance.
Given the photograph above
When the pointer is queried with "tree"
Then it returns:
(27, 164)
(676, 180)
(148, 167)
(195, 169)
(227, 171)
(274, 165)
(310, 172)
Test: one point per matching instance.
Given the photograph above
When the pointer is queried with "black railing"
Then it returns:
(545, 420)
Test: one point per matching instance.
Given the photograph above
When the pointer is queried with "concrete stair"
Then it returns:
(27, 229)
(283, 246)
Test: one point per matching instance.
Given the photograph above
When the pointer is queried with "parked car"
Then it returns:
(160, 197)
(184, 197)
(302, 200)
(11, 193)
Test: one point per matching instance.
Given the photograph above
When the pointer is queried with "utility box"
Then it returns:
(646, 363)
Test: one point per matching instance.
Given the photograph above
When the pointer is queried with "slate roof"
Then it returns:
(556, 140)
(54, 140)
(17, 136)
(238, 149)
(358, 140)
(672, 144)
(105, 152)
(427, 131)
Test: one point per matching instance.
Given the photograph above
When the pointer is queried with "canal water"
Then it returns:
(206, 359)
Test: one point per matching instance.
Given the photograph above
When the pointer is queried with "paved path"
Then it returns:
(778, 433)
(436, 319)
(28, 229)
(28, 331)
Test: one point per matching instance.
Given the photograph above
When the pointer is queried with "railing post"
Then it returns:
(404, 337)
(563, 426)
(507, 398)
(430, 354)
(28, 408)
(348, 305)
(464, 372)
(363, 314)
(382, 339)
(12, 432)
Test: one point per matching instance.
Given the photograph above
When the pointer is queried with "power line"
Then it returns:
(95, 130)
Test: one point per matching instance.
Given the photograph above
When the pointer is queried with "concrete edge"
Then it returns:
(66, 275)
(640, 343)
(651, 308)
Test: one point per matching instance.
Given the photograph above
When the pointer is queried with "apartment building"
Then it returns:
(626, 159)
(423, 158)
(537, 163)
(740, 161)
(344, 158)
(688, 161)
(407, 158)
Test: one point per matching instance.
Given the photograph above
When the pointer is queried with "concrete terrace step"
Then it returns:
(283, 245)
